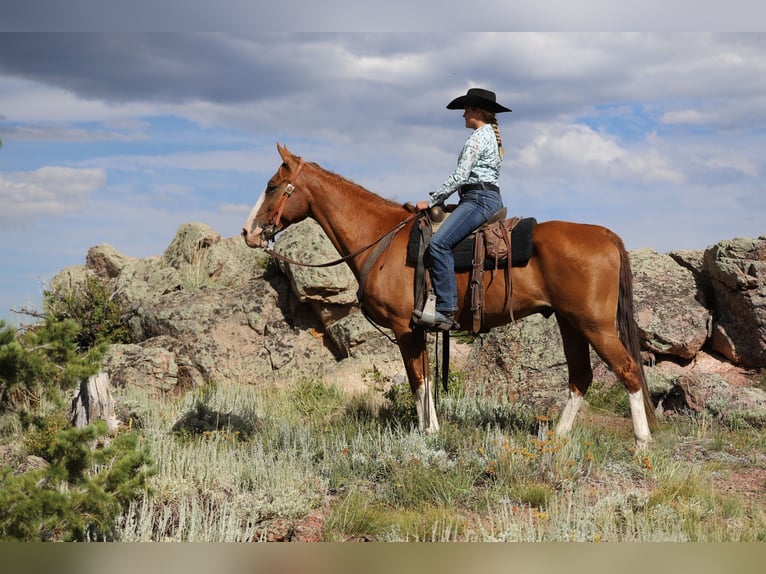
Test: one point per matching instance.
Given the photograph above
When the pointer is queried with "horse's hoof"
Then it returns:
(642, 445)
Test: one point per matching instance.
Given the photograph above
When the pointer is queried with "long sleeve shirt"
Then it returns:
(479, 161)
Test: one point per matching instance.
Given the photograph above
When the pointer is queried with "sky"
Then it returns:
(120, 137)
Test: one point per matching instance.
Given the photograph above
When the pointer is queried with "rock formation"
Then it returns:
(212, 309)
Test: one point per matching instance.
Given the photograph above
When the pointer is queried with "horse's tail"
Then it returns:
(628, 328)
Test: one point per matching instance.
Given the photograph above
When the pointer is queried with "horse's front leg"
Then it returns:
(412, 345)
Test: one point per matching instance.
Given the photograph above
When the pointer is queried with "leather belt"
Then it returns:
(480, 185)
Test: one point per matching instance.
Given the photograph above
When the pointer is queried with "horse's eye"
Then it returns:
(270, 187)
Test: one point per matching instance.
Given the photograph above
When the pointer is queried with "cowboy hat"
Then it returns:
(478, 98)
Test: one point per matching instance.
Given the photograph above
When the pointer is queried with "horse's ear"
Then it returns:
(284, 153)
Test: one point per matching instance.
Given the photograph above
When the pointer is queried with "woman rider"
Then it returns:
(475, 179)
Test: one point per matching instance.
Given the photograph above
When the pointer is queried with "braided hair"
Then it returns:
(491, 118)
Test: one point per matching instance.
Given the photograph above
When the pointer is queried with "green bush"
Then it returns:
(43, 361)
(318, 402)
(611, 398)
(400, 407)
(92, 308)
(81, 492)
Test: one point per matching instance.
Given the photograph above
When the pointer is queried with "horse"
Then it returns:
(578, 272)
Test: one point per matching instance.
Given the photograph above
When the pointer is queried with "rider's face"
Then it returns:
(473, 117)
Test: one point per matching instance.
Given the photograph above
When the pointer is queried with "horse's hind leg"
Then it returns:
(412, 345)
(609, 347)
(577, 352)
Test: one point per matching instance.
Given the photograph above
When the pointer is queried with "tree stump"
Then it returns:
(93, 401)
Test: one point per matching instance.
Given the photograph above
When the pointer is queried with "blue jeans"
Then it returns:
(475, 208)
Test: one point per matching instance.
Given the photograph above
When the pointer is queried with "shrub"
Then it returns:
(42, 361)
(400, 407)
(80, 494)
(203, 420)
(317, 402)
(92, 308)
(611, 398)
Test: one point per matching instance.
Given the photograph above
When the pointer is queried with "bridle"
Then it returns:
(275, 219)
(384, 239)
(378, 246)
(276, 215)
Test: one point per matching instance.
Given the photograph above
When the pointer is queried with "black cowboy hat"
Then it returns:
(478, 98)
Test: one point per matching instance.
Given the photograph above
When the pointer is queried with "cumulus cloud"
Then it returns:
(579, 150)
(46, 192)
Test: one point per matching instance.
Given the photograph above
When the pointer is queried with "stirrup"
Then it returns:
(436, 322)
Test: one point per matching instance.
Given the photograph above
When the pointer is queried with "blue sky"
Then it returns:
(120, 137)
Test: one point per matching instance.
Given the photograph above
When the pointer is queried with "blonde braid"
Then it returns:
(491, 118)
(496, 128)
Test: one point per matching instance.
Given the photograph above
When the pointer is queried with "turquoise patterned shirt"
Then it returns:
(478, 162)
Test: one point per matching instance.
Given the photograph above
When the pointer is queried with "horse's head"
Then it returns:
(281, 204)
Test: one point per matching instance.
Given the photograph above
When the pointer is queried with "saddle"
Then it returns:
(499, 243)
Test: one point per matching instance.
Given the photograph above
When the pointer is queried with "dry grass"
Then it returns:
(492, 473)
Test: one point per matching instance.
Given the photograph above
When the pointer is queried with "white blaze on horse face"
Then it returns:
(249, 233)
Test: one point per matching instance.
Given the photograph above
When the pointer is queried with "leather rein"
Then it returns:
(388, 236)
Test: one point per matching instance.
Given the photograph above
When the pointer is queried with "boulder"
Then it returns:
(522, 363)
(670, 309)
(712, 394)
(158, 364)
(737, 269)
(202, 258)
(331, 292)
(189, 244)
(144, 281)
(306, 242)
(238, 333)
(72, 279)
(106, 261)
(351, 331)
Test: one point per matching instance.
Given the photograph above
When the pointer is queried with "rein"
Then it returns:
(393, 231)
(366, 269)
(382, 246)
(276, 216)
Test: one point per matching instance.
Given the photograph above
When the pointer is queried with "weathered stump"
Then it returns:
(93, 401)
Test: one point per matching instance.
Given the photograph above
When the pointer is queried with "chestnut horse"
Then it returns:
(580, 273)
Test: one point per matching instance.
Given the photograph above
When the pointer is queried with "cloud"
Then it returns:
(46, 192)
(244, 15)
(33, 101)
(65, 133)
(659, 136)
(578, 150)
(310, 82)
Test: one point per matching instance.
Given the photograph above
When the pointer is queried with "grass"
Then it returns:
(238, 462)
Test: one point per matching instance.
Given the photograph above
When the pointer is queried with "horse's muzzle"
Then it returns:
(255, 238)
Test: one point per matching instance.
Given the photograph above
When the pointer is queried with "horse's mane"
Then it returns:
(342, 181)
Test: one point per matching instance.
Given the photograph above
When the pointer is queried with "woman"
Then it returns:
(475, 179)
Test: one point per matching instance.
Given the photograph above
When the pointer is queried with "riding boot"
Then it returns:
(442, 321)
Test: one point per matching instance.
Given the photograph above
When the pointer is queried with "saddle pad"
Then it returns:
(521, 245)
